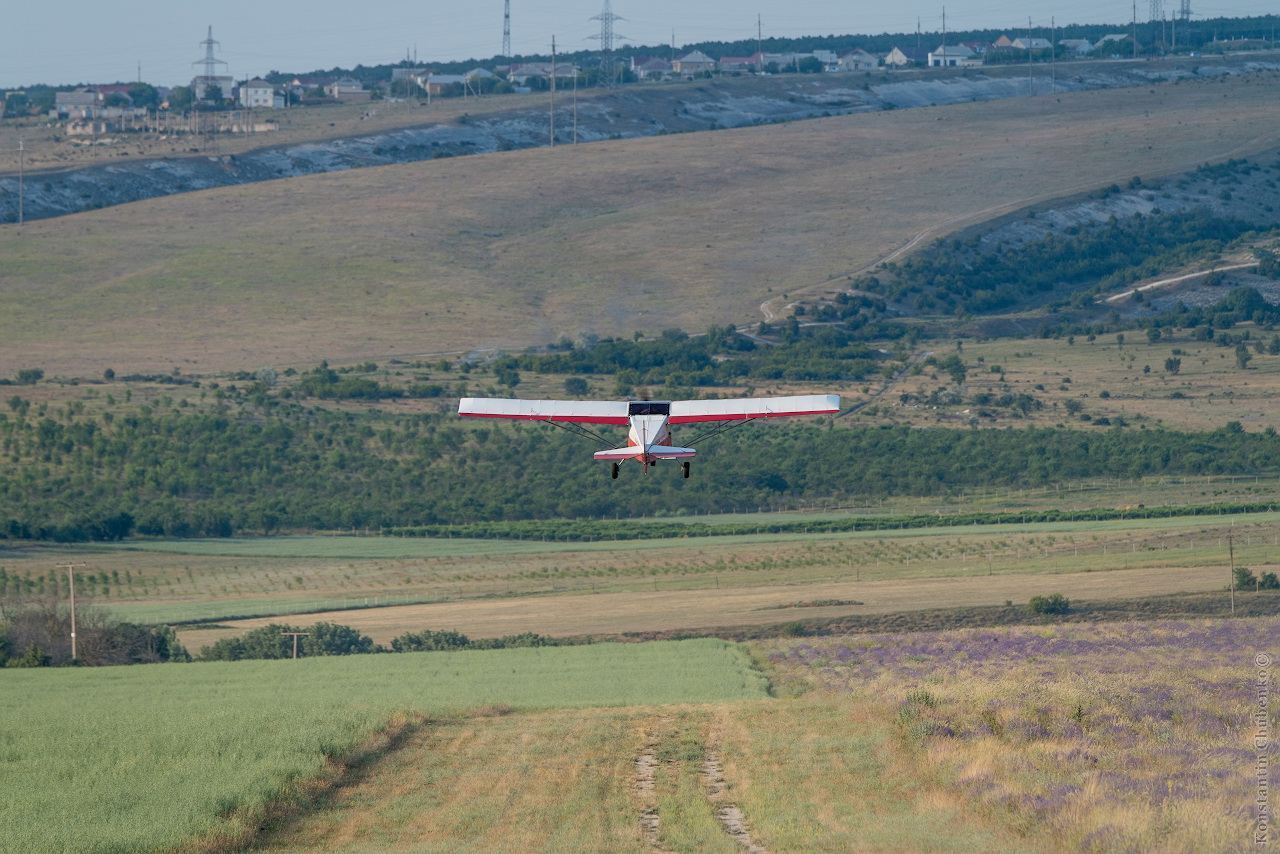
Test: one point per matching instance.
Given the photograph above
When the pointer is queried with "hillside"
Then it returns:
(307, 142)
(519, 248)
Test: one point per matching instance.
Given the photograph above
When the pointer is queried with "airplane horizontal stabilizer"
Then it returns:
(661, 452)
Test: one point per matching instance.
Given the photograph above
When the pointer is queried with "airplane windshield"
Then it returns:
(649, 407)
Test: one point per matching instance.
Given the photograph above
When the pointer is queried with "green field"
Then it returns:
(143, 758)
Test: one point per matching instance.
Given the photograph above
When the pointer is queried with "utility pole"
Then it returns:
(1135, 29)
(506, 28)
(1053, 54)
(295, 635)
(21, 183)
(759, 44)
(71, 582)
(553, 92)
(1231, 550)
(1031, 77)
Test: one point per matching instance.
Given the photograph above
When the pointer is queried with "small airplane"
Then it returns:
(650, 420)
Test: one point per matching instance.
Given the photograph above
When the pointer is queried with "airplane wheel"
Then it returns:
(684, 467)
(614, 475)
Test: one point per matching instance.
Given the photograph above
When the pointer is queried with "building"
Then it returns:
(202, 86)
(650, 68)
(952, 56)
(257, 93)
(906, 57)
(738, 64)
(521, 74)
(692, 64)
(1079, 47)
(347, 90)
(79, 104)
(1032, 44)
(859, 60)
(1115, 44)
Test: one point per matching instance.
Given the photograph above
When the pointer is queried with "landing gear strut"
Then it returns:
(614, 473)
(684, 468)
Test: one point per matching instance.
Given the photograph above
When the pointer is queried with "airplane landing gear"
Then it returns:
(614, 473)
(684, 468)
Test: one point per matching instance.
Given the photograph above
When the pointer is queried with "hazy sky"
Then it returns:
(91, 41)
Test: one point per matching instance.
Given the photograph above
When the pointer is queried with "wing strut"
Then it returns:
(581, 432)
(725, 427)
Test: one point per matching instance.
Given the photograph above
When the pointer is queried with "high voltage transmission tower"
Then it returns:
(608, 64)
(506, 28)
(209, 62)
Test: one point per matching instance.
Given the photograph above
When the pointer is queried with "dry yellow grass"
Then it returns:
(519, 248)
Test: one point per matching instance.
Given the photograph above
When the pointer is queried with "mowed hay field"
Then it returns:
(519, 248)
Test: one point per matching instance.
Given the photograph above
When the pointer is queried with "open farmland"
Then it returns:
(293, 572)
(231, 738)
(412, 259)
(1050, 738)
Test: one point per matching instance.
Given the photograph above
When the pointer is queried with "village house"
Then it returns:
(1032, 44)
(859, 60)
(1116, 44)
(906, 57)
(79, 104)
(257, 93)
(738, 64)
(952, 56)
(521, 74)
(693, 63)
(348, 91)
(202, 87)
(1079, 47)
(650, 68)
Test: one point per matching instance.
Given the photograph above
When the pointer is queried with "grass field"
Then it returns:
(171, 753)
(1051, 738)
(402, 260)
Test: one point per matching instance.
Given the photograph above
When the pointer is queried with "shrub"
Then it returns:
(1054, 603)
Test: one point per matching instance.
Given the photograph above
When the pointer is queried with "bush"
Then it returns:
(1244, 578)
(1054, 603)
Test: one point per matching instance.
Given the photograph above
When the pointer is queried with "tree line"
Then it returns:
(36, 632)
(721, 356)
(218, 471)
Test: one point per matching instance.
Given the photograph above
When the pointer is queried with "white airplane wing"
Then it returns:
(580, 411)
(746, 408)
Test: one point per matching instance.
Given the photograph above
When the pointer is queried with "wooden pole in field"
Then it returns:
(296, 635)
(1231, 551)
(71, 581)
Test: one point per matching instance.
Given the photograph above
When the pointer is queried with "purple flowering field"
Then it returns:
(1083, 737)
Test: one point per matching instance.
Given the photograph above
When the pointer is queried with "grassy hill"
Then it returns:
(518, 248)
